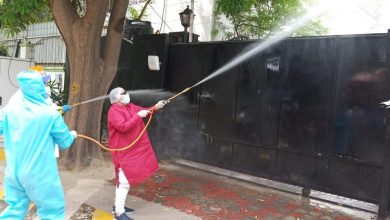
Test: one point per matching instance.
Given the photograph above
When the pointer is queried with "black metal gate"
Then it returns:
(305, 111)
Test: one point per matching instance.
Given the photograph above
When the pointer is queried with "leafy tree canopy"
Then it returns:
(15, 15)
(262, 18)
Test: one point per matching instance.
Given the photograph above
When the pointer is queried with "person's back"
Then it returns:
(30, 129)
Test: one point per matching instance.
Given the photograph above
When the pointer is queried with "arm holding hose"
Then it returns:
(61, 134)
(159, 105)
(143, 112)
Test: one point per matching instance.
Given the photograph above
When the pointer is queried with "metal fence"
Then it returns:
(48, 46)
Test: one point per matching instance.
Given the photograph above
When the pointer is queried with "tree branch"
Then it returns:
(94, 17)
(64, 16)
(251, 25)
(96, 10)
(114, 34)
(235, 24)
(143, 10)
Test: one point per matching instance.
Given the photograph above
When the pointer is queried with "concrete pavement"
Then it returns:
(179, 192)
(90, 195)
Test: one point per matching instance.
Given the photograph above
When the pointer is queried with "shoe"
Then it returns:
(127, 210)
(122, 217)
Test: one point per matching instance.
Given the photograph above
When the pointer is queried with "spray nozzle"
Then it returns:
(165, 102)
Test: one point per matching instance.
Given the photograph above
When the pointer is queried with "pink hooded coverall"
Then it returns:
(124, 125)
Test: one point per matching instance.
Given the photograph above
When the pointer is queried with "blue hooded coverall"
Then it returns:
(30, 129)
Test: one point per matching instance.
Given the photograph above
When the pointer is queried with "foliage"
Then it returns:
(135, 15)
(314, 28)
(262, 18)
(15, 15)
(57, 94)
(3, 50)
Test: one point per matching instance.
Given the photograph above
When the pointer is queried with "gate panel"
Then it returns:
(186, 66)
(180, 119)
(141, 76)
(253, 160)
(354, 180)
(344, 177)
(308, 94)
(363, 82)
(216, 152)
(301, 170)
(218, 96)
(258, 100)
(370, 184)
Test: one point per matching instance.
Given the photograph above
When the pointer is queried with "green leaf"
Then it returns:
(16, 14)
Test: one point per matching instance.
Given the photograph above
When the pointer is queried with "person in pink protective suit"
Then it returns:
(137, 163)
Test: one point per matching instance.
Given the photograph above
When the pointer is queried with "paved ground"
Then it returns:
(212, 196)
(178, 192)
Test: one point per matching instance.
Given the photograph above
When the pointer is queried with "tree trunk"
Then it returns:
(90, 73)
(85, 119)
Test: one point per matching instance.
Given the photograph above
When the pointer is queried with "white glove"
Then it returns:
(386, 103)
(160, 104)
(143, 113)
(74, 134)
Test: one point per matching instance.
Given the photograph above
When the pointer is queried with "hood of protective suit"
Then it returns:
(32, 86)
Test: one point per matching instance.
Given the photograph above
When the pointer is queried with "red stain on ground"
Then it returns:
(211, 198)
(291, 206)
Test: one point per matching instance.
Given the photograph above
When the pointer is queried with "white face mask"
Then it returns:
(47, 92)
(125, 99)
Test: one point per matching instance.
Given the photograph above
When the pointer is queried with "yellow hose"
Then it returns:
(142, 132)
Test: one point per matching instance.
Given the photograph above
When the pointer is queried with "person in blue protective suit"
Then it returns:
(17, 96)
(30, 129)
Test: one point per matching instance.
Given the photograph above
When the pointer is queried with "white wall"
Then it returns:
(9, 67)
(203, 10)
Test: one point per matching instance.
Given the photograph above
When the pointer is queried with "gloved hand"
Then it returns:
(74, 134)
(66, 108)
(160, 104)
(143, 113)
(387, 103)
